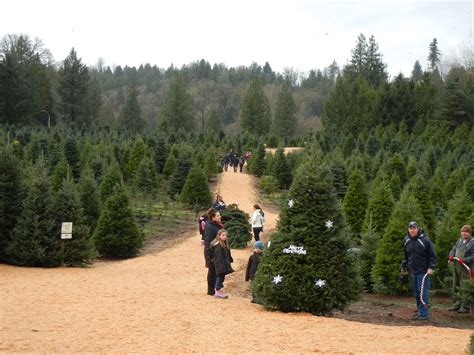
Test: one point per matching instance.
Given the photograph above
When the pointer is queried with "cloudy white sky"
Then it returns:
(302, 34)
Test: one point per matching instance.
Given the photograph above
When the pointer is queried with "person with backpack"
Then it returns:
(220, 251)
(202, 224)
(213, 225)
(258, 217)
(241, 163)
(461, 255)
(419, 255)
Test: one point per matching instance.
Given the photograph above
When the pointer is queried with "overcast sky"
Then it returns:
(302, 34)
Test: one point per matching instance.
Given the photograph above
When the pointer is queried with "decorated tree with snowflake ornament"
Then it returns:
(308, 266)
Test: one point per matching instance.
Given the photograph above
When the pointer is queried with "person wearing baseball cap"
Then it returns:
(419, 255)
(462, 253)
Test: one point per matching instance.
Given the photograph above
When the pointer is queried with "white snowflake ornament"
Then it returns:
(291, 203)
(329, 224)
(277, 279)
(320, 283)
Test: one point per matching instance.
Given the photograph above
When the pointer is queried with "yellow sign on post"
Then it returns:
(66, 230)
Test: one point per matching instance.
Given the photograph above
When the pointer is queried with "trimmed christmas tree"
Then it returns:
(35, 241)
(307, 266)
(12, 193)
(379, 208)
(89, 198)
(178, 178)
(170, 165)
(368, 251)
(386, 270)
(112, 177)
(60, 172)
(281, 170)
(160, 153)
(237, 224)
(117, 234)
(146, 178)
(257, 163)
(196, 192)
(355, 202)
(80, 250)
(72, 156)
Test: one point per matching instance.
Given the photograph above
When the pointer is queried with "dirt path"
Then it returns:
(157, 303)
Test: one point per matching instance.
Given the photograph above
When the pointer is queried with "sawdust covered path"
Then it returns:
(158, 303)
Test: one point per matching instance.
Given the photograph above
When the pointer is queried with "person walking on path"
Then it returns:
(241, 163)
(258, 217)
(252, 265)
(222, 257)
(462, 253)
(419, 255)
(213, 225)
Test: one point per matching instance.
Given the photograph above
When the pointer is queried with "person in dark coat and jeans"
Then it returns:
(419, 255)
(213, 225)
(221, 254)
(252, 264)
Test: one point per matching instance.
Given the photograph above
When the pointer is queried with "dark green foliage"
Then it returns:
(285, 115)
(368, 251)
(386, 271)
(434, 53)
(211, 167)
(269, 184)
(177, 109)
(146, 178)
(112, 177)
(35, 241)
(255, 115)
(327, 257)
(355, 202)
(61, 171)
(117, 235)
(178, 178)
(257, 163)
(170, 165)
(458, 213)
(12, 192)
(73, 90)
(131, 118)
(281, 170)
(160, 153)
(196, 192)
(72, 155)
(379, 209)
(422, 193)
(339, 178)
(80, 250)
(137, 152)
(89, 199)
(236, 222)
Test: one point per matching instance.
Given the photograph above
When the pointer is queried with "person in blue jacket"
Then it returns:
(419, 255)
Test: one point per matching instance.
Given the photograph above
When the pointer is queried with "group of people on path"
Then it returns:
(235, 160)
(419, 255)
(217, 254)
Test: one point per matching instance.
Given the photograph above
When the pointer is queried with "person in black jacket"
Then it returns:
(419, 255)
(222, 257)
(213, 225)
(252, 264)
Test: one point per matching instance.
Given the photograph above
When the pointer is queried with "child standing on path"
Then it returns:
(222, 260)
(257, 222)
(252, 264)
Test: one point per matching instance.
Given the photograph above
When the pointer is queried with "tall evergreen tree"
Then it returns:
(117, 234)
(73, 90)
(177, 109)
(355, 201)
(258, 162)
(12, 191)
(112, 177)
(386, 270)
(379, 209)
(178, 178)
(454, 106)
(307, 267)
(160, 153)
(34, 241)
(368, 251)
(170, 165)
(131, 118)
(285, 115)
(146, 178)
(80, 250)
(72, 155)
(255, 115)
(417, 72)
(434, 53)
